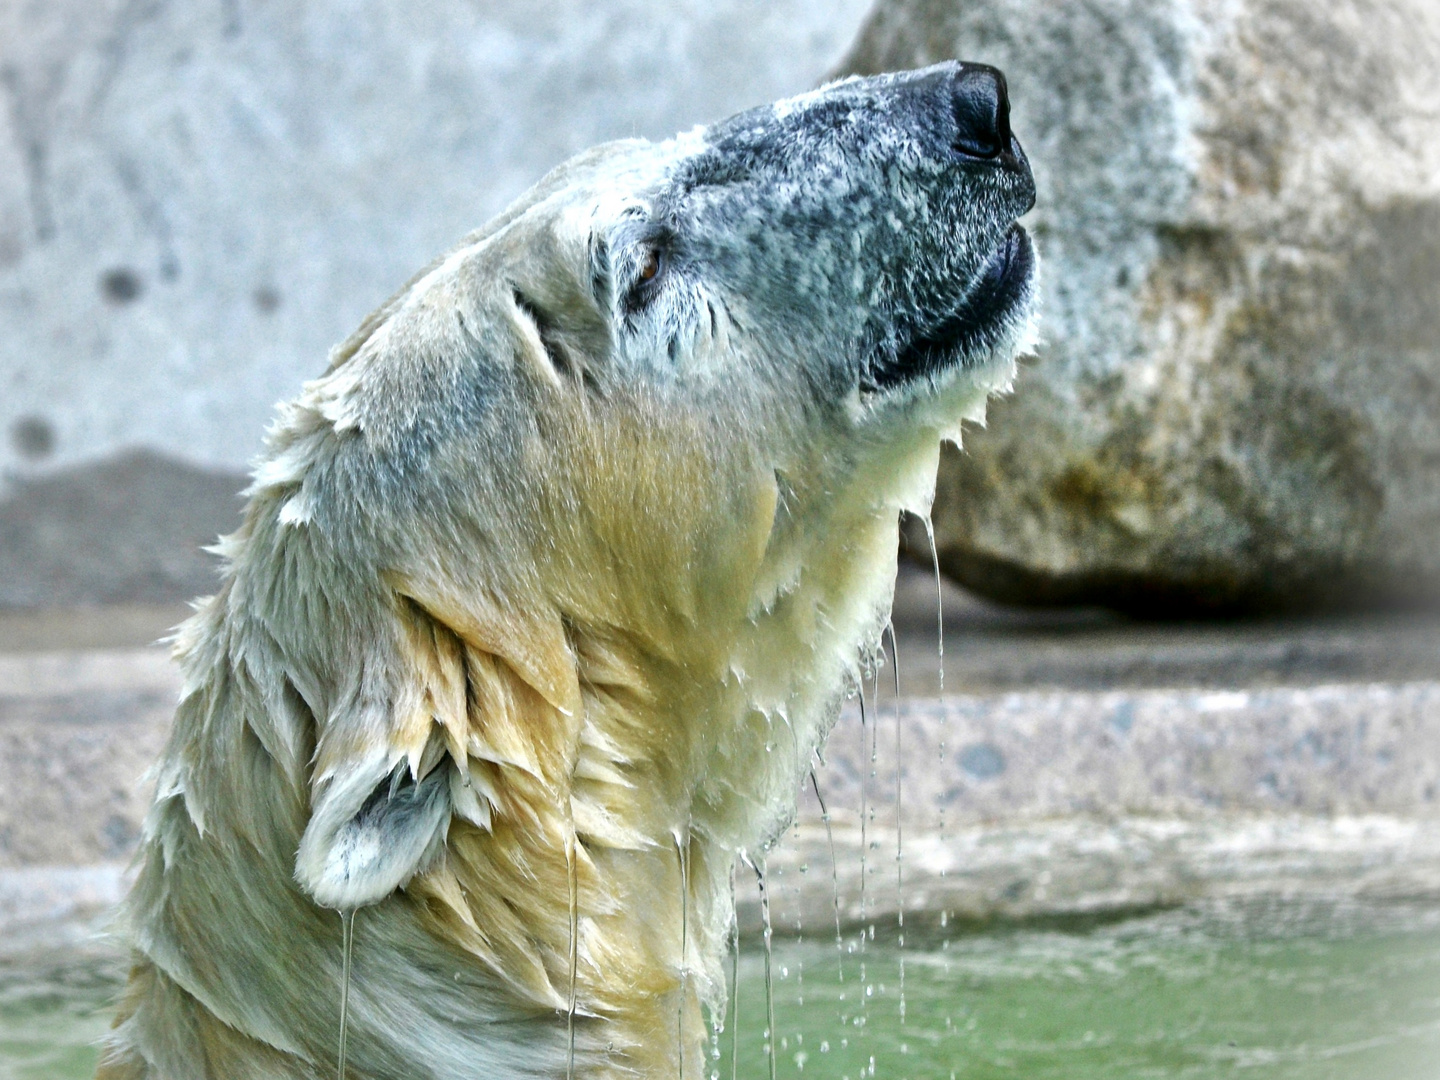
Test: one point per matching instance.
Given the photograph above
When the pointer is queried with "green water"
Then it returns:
(1267, 991)
(53, 1009)
(1270, 991)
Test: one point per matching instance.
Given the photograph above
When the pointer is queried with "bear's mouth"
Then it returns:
(973, 329)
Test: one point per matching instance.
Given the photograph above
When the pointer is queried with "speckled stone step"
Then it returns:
(1342, 748)
(78, 730)
(1123, 760)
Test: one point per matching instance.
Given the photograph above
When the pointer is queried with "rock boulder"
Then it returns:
(1237, 402)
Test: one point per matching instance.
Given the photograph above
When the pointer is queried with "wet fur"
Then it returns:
(550, 586)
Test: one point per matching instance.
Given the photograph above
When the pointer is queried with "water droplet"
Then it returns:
(574, 957)
(347, 944)
(759, 869)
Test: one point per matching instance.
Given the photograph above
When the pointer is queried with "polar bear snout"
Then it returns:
(974, 102)
(980, 105)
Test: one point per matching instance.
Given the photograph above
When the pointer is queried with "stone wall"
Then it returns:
(198, 200)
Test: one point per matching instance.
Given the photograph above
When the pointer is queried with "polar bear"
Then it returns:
(550, 587)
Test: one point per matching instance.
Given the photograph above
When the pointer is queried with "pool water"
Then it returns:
(1264, 991)
(53, 1009)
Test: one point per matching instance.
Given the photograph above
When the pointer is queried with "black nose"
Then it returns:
(981, 106)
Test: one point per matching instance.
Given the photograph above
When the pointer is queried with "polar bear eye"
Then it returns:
(649, 270)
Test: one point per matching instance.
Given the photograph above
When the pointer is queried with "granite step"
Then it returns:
(1151, 746)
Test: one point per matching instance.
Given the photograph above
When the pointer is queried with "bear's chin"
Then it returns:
(1000, 296)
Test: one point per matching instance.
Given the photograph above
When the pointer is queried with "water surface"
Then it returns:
(1269, 991)
(54, 1007)
(1264, 991)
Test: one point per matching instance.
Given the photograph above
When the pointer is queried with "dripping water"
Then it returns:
(717, 1025)
(940, 656)
(834, 879)
(864, 802)
(734, 981)
(899, 829)
(682, 849)
(868, 775)
(772, 1037)
(939, 602)
(347, 945)
(868, 928)
(864, 848)
(797, 889)
(573, 887)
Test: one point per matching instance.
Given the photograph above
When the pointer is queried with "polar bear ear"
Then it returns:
(373, 829)
(457, 712)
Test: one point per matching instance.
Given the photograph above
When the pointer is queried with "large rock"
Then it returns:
(1237, 403)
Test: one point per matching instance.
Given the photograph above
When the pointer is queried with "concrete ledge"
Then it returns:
(44, 907)
(78, 730)
(990, 648)
(117, 626)
(972, 758)
(1071, 802)
(1073, 867)
(1096, 787)
(1082, 866)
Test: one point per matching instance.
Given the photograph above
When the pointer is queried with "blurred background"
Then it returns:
(1191, 673)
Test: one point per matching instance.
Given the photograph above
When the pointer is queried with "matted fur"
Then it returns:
(549, 589)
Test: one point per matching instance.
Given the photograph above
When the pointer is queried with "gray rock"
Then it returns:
(1239, 211)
